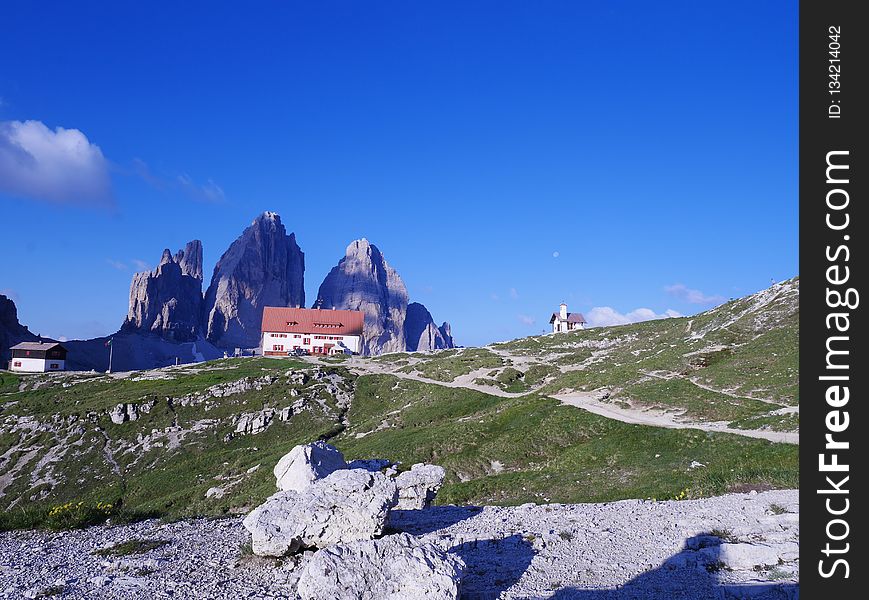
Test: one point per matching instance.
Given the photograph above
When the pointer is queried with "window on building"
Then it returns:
(278, 347)
(17, 363)
(53, 366)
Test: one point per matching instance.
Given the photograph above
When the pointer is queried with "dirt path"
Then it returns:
(592, 402)
(666, 375)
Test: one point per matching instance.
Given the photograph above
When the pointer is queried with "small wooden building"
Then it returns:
(37, 357)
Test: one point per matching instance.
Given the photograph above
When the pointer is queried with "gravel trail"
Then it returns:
(614, 551)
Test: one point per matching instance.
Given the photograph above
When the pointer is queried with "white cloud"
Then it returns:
(120, 266)
(526, 319)
(692, 296)
(206, 192)
(59, 166)
(495, 297)
(555, 254)
(602, 316)
(62, 338)
(140, 265)
(514, 294)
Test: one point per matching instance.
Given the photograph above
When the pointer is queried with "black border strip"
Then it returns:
(832, 271)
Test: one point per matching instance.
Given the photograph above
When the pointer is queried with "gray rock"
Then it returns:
(397, 567)
(447, 334)
(123, 413)
(254, 423)
(418, 487)
(190, 259)
(346, 506)
(263, 267)
(168, 300)
(420, 331)
(303, 465)
(11, 331)
(363, 280)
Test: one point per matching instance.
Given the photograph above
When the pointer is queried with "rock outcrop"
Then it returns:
(418, 487)
(420, 331)
(190, 260)
(347, 506)
(303, 465)
(364, 281)
(123, 413)
(11, 331)
(447, 334)
(263, 267)
(168, 300)
(398, 567)
(254, 423)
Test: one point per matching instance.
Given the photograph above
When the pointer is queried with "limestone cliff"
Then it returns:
(263, 267)
(168, 300)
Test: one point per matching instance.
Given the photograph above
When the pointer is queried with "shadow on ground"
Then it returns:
(495, 565)
(420, 522)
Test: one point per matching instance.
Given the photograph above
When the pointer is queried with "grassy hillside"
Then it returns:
(57, 442)
(504, 441)
(533, 448)
(738, 363)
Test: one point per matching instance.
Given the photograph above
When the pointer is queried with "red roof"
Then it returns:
(571, 318)
(312, 320)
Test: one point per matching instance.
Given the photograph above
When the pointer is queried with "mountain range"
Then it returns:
(170, 319)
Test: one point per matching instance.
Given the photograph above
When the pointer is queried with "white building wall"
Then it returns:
(288, 341)
(36, 365)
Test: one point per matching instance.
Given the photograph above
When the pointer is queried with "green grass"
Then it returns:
(168, 479)
(130, 547)
(496, 450)
(550, 451)
(447, 365)
(698, 403)
(8, 382)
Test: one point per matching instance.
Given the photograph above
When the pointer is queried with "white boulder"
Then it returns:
(123, 413)
(303, 465)
(346, 506)
(418, 487)
(397, 567)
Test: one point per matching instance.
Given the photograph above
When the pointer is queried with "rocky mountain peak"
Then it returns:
(11, 331)
(168, 300)
(447, 334)
(263, 267)
(363, 280)
(421, 332)
(190, 259)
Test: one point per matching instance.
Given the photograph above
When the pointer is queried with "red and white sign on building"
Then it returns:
(285, 330)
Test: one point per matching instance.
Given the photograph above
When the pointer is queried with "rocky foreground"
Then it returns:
(734, 546)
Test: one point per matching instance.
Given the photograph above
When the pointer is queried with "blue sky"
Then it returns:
(504, 156)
